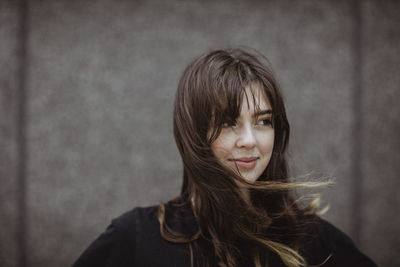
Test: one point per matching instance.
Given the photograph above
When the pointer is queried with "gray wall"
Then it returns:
(86, 100)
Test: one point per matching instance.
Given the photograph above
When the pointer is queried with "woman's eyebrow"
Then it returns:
(262, 112)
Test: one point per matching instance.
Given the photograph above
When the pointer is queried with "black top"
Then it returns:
(134, 239)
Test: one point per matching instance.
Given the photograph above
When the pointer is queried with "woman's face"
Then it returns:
(246, 146)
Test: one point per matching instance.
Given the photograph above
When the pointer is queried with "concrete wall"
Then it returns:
(8, 133)
(381, 132)
(100, 82)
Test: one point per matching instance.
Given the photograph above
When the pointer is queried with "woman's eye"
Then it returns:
(227, 124)
(266, 122)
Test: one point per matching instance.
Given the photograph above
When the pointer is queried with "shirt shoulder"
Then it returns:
(327, 244)
(117, 245)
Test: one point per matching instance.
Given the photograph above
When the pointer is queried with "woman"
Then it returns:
(236, 206)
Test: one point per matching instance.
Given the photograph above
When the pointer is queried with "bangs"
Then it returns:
(228, 93)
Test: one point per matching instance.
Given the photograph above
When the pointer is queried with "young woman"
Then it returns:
(236, 206)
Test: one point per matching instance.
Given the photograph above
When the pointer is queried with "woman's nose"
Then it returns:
(246, 138)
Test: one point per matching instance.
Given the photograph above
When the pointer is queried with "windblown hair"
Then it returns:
(210, 92)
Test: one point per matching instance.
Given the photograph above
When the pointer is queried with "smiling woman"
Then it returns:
(247, 143)
(236, 206)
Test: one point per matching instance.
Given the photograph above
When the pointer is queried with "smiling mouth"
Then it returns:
(245, 163)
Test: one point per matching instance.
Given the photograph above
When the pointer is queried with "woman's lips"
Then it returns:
(246, 163)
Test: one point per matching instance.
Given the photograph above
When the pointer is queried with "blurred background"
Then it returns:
(86, 104)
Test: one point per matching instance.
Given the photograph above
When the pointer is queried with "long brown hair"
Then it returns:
(210, 92)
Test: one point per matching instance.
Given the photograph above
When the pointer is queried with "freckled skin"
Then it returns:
(247, 145)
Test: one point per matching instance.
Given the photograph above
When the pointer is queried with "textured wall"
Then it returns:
(8, 133)
(101, 81)
(381, 132)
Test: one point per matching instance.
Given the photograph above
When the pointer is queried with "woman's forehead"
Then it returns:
(255, 98)
(232, 100)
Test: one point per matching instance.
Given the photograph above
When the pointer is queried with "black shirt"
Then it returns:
(134, 239)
